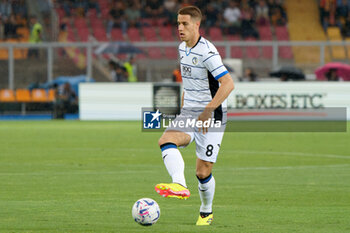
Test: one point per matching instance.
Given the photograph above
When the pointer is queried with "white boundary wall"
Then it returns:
(114, 101)
(123, 101)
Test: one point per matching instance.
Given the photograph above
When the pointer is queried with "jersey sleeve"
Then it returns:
(212, 61)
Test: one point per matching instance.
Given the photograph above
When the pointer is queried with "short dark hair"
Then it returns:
(193, 11)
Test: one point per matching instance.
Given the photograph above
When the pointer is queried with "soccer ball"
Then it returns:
(146, 211)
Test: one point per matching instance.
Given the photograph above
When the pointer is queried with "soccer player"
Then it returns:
(206, 84)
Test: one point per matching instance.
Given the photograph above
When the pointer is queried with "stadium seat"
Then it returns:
(134, 34)
(285, 52)
(39, 95)
(24, 33)
(155, 52)
(161, 22)
(145, 22)
(105, 12)
(51, 95)
(83, 34)
(265, 33)
(334, 34)
(222, 51)
(202, 32)
(267, 52)
(3, 54)
(166, 34)
(92, 13)
(236, 51)
(117, 34)
(171, 53)
(252, 51)
(96, 23)
(17, 53)
(215, 34)
(7, 95)
(282, 33)
(150, 34)
(100, 34)
(80, 23)
(143, 55)
(23, 95)
(71, 35)
(60, 12)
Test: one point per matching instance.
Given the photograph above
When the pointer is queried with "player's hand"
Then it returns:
(204, 116)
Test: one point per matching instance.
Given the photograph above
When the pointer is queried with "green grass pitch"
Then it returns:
(71, 176)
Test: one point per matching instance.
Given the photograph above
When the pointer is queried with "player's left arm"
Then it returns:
(226, 87)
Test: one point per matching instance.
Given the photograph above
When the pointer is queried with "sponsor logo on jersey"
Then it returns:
(186, 70)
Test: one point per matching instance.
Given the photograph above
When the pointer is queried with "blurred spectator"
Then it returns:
(5, 8)
(64, 23)
(10, 27)
(81, 7)
(232, 16)
(185, 3)
(66, 101)
(2, 33)
(67, 5)
(93, 4)
(331, 75)
(327, 22)
(277, 13)
(177, 75)
(133, 14)
(262, 13)
(117, 17)
(121, 74)
(249, 75)
(247, 27)
(211, 16)
(19, 8)
(342, 11)
(112, 66)
(131, 69)
(346, 27)
(327, 11)
(170, 10)
(35, 36)
(154, 9)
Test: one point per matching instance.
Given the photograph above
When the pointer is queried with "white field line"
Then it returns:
(291, 153)
(284, 167)
(156, 171)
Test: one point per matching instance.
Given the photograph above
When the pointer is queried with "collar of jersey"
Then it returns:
(200, 37)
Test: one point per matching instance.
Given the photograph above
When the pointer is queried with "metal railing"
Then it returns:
(89, 46)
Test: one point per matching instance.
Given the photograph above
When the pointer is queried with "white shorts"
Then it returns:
(207, 145)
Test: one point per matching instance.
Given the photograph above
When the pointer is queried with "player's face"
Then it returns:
(187, 27)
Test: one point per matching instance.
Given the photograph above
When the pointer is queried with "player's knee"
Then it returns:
(164, 139)
(202, 174)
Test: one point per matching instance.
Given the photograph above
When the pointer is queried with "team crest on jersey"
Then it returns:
(195, 60)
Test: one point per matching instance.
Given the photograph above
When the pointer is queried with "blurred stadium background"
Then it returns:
(263, 35)
(84, 38)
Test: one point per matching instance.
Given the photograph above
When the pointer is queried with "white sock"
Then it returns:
(175, 165)
(206, 188)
